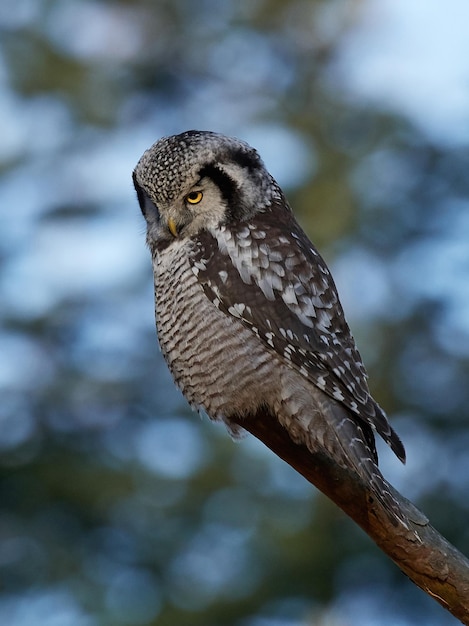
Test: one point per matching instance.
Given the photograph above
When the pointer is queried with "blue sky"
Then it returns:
(412, 58)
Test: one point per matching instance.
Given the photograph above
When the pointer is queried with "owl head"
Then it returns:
(199, 180)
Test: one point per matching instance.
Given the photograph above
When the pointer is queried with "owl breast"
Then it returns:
(218, 364)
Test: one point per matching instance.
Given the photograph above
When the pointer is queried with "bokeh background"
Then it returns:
(118, 506)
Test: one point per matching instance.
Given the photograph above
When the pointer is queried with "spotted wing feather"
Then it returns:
(271, 278)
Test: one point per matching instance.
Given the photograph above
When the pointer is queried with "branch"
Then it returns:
(420, 551)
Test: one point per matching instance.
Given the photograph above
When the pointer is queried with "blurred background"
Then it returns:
(118, 506)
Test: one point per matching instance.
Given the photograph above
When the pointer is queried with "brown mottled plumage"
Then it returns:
(247, 312)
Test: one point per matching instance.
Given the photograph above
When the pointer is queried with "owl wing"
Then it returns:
(268, 275)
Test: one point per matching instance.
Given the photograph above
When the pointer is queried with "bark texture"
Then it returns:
(424, 555)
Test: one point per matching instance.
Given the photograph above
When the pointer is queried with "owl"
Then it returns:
(248, 315)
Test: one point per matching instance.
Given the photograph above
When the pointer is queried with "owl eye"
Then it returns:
(194, 197)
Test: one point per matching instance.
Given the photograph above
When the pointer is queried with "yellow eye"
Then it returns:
(194, 197)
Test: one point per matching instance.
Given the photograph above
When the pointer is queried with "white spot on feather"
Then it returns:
(223, 276)
(337, 394)
(258, 234)
(321, 382)
(289, 295)
(237, 309)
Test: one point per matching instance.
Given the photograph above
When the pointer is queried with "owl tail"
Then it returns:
(350, 443)
(379, 423)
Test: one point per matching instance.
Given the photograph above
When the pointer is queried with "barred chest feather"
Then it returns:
(198, 341)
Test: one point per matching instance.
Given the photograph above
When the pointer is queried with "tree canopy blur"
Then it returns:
(120, 506)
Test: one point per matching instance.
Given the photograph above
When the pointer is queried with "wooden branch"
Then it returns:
(420, 551)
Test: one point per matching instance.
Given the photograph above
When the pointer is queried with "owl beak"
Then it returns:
(172, 227)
